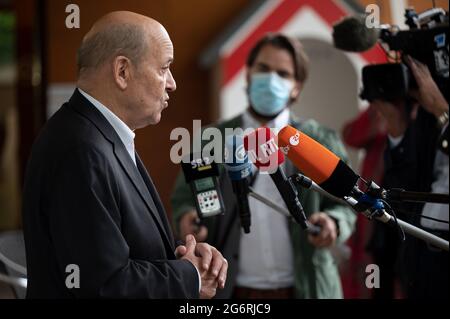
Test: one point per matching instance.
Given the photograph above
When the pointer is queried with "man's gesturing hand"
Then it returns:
(208, 261)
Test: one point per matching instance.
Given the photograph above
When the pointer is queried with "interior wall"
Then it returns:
(330, 94)
(9, 181)
(422, 5)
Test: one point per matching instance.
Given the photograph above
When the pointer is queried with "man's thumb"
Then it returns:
(314, 218)
(190, 244)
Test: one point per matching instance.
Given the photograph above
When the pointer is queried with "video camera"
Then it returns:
(426, 41)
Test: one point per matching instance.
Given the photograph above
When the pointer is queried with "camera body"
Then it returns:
(387, 81)
(426, 41)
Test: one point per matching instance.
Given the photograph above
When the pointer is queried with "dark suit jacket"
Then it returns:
(86, 203)
(424, 270)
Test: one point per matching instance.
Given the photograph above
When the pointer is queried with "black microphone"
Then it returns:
(264, 153)
(239, 170)
(201, 173)
(351, 34)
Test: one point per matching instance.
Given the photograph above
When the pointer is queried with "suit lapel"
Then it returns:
(83, 106)
(154, 194)
(144, 192)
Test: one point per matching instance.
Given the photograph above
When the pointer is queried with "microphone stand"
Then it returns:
(269, 203)
(15, 281)
(384, 217)
(379, 214)
(312, 229)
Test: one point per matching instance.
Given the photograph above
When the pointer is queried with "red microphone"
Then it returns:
(262, 150)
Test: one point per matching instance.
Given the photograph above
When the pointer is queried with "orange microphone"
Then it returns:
(317, 162)
(263, 151)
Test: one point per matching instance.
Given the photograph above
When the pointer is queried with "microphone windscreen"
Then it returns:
(262, 149)
(351, 34)
(317, 162)
(236, 163)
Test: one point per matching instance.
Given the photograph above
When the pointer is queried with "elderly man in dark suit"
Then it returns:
(89, 203)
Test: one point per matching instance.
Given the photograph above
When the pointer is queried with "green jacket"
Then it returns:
(316, 273)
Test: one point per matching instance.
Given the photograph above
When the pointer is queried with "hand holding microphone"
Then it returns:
(329, 231)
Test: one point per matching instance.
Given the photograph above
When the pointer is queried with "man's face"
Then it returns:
(152, 82)
(278, 60)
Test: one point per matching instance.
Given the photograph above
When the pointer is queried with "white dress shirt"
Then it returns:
(125, 133)
(266, 253)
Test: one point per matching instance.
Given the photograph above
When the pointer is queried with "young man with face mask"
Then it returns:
(276, 259)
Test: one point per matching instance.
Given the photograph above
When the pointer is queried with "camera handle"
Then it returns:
(400, 195)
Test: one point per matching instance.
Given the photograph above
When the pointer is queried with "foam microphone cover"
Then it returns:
(263, 151)
(236, 159)
(317, 162)
(351, 34)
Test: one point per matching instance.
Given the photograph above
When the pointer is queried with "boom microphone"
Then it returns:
(317, 162)
(351, 34)
(239, 170)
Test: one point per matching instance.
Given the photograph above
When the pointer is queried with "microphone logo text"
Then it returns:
(295, 139)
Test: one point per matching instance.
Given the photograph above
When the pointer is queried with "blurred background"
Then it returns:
(211, 40)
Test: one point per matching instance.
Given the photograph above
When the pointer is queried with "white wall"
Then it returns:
(330, 94)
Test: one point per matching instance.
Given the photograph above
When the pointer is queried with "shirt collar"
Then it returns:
(280, 121)
(125, 133)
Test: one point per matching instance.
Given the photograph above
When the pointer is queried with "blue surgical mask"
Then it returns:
(269, 93)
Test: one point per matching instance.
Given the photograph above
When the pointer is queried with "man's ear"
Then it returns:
(121, 70)
(296, 90)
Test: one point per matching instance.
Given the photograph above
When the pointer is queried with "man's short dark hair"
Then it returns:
(293, 46)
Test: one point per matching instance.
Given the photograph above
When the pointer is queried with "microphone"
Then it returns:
(327, 172)
(264, 153)
(351, 34)
(201, 173)
(317, 162)
(336, 178)
(239, 170)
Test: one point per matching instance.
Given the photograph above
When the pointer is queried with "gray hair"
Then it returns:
(125, 39)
